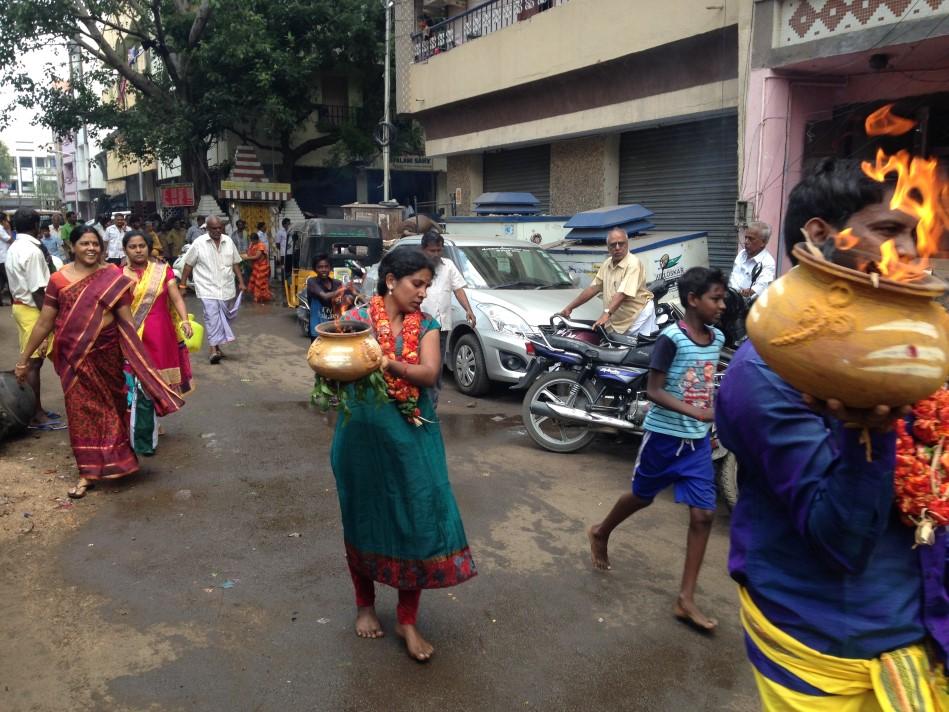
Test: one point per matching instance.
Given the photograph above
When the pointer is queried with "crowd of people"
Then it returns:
(839, 610)
(111, 336)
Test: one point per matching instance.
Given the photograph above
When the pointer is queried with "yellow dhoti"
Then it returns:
(904, 680)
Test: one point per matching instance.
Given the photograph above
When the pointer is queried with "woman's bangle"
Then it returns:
(21, 365)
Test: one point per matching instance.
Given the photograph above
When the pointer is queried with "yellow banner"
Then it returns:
(258, 187)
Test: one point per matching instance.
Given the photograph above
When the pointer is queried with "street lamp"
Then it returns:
(387, 125)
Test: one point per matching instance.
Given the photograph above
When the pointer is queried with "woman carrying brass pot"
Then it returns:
(401, 525)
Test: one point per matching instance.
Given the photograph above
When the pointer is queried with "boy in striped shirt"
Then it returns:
(676, 449)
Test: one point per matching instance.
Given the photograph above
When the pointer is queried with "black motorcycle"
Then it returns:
(583, 380)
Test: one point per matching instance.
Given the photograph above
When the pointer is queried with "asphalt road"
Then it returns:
(215, 579)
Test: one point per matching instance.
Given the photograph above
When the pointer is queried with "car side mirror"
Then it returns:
(574, 278)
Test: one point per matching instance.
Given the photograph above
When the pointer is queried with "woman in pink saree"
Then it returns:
(87, 303)
(161, 320)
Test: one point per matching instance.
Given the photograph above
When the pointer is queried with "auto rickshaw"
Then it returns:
(350, 244)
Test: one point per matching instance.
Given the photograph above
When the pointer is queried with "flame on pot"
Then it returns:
(919, 192)
(883, 122)
(846, 240)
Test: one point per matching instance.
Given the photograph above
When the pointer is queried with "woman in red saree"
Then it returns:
(88, 305)
(259, 284)
(161, 321)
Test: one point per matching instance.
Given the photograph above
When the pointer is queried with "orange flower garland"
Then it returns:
(921, 478)
(404, 393)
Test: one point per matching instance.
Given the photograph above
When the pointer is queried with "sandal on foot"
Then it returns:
(79, 491)
(215, 358)
(53, 416)
(58, 425)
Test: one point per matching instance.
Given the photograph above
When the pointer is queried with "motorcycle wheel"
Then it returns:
(550, 433)
(726, 477)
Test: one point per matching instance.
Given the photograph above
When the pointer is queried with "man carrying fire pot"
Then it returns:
(839, 611)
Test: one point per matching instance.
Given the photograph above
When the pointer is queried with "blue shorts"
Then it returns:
(665, 460)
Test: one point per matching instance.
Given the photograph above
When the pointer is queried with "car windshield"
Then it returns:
(510, 268)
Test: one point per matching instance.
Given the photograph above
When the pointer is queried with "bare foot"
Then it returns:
(598, 546)
(367, 623)
(687, 612)
(161, 430)
(417, 647)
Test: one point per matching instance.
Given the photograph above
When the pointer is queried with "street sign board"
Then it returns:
(177, 195)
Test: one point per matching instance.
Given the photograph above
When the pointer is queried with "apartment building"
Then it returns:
(583, 103)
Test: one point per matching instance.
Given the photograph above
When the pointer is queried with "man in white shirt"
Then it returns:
(113, 235)
(6, 239)
(195, 231)
(28, 273)
(754, 267)
(447, 281)
(286, 257)
(215, 263)
(628, 307)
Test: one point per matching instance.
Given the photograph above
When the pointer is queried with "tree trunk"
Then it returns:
(285, 170)
(194, 169)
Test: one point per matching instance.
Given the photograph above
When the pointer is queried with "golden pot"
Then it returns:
(344, 351)
(831, 332)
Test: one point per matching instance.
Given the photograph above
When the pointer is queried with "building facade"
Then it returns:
(584, 103)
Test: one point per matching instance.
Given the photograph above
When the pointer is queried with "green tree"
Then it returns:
(249, 66)
(7, 168)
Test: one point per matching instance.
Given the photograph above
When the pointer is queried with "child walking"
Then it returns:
(676, 449)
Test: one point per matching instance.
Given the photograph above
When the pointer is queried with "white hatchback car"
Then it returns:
(514, 288)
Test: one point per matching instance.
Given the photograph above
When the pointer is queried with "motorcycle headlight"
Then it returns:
(504, 320)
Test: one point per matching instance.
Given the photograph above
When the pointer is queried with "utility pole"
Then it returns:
(386, 148)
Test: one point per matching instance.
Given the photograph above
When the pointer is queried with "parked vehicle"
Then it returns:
(513, 287)
(344, 241)
(583, 380)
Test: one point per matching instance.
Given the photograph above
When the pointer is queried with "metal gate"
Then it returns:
(521, 170)
(688, 175)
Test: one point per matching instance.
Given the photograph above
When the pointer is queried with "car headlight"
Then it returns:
(503, 319)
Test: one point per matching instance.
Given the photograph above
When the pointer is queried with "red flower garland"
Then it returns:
(404, 393)
(921, 478)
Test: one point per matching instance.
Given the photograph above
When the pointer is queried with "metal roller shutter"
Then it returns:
(521, 170)
(688, 174)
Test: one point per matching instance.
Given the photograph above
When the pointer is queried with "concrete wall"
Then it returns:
(637, 113)
(581, 33)
(584, 174)
(466, 172)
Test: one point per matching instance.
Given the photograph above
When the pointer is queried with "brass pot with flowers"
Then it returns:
(348, 362)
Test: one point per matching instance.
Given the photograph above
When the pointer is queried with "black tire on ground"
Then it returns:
(562, 437)
(726, 477)
(471, 375)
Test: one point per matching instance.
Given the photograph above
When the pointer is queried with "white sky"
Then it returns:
(20, 128)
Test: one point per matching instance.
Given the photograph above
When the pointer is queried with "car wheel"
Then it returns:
(471, 376)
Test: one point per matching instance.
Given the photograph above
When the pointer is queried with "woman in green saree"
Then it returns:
(401, 524)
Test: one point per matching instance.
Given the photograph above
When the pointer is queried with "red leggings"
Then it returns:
(406, 612)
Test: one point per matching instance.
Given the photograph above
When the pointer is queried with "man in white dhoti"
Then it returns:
(213, 262)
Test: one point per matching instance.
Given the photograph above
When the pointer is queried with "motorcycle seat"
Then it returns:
(568, 344)
(620, 339)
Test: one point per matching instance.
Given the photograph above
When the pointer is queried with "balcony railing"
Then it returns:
(475, 23)
(332, 115)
